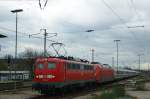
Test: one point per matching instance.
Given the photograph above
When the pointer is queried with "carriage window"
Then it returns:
(40, 66)
(82, 67)
(77, 66)
(68, 66)
(73, 66)
(88, 67)
(51, 65)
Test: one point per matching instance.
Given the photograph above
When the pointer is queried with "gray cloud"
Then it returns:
(71, 18)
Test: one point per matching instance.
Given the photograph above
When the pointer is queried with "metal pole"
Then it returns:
(16, 12)
(16, 51)
(45, 34)
(16, 36)
(139, 62)
(16, 47)
(117, 53)
(117, 56)
(148, 67)
(92, 55)
(112, 61)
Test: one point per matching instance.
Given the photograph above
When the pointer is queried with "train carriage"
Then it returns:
(59, 73)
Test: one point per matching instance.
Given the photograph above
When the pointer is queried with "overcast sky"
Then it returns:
(109, 19)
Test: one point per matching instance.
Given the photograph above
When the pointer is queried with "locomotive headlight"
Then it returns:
(40, 76)
(37, 76)
(50, 76)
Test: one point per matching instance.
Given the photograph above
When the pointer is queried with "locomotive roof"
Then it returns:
(68, 59)
(73, 60)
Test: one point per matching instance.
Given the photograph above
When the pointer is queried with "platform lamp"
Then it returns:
(16, 12)
(2, 36)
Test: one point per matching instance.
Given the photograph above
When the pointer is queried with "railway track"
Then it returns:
(9, 87)
(80, 91)
(69, 95)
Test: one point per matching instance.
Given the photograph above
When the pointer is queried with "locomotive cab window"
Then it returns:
(51, 65)
(40, 66)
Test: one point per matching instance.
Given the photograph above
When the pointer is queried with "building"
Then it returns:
(10, 75)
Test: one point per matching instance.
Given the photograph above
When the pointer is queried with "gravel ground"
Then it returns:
(25, 94)
(141, 94)
(88, 96)
(147, 86)
(29, 94)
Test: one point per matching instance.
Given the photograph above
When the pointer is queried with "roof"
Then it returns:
(24, 72)
(2, 36)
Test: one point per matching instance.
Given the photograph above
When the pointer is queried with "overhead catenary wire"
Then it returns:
(135, 10)
(138, 15)
(124, 23)
(11, 30)
(139, 18)
(121, 20)
(27, 35)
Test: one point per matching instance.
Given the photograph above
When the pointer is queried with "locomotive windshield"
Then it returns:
(40, 66)
(51, 65)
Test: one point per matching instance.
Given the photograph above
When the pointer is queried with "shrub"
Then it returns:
(107, 95)
(118, 91)
(140, 86)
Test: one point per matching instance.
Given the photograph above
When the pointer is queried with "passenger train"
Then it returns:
(63, 72)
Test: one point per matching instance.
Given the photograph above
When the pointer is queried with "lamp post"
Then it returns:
(92, 55)
(89, 30)
(116, 41)
(113, 61)
(2, 36)
(139, 61)
(139, 55)
(16, 12)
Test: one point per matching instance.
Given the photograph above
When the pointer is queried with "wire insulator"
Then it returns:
(42, 4)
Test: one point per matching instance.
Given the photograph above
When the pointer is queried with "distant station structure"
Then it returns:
(10, 75)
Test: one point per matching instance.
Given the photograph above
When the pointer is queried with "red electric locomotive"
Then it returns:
(52, 72)
(59, 73)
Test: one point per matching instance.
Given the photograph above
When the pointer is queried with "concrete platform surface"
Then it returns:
(139, 94)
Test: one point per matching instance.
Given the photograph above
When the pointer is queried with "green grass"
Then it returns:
(140, 86)
(117, 92)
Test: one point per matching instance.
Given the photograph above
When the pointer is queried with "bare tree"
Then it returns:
(29, 53)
